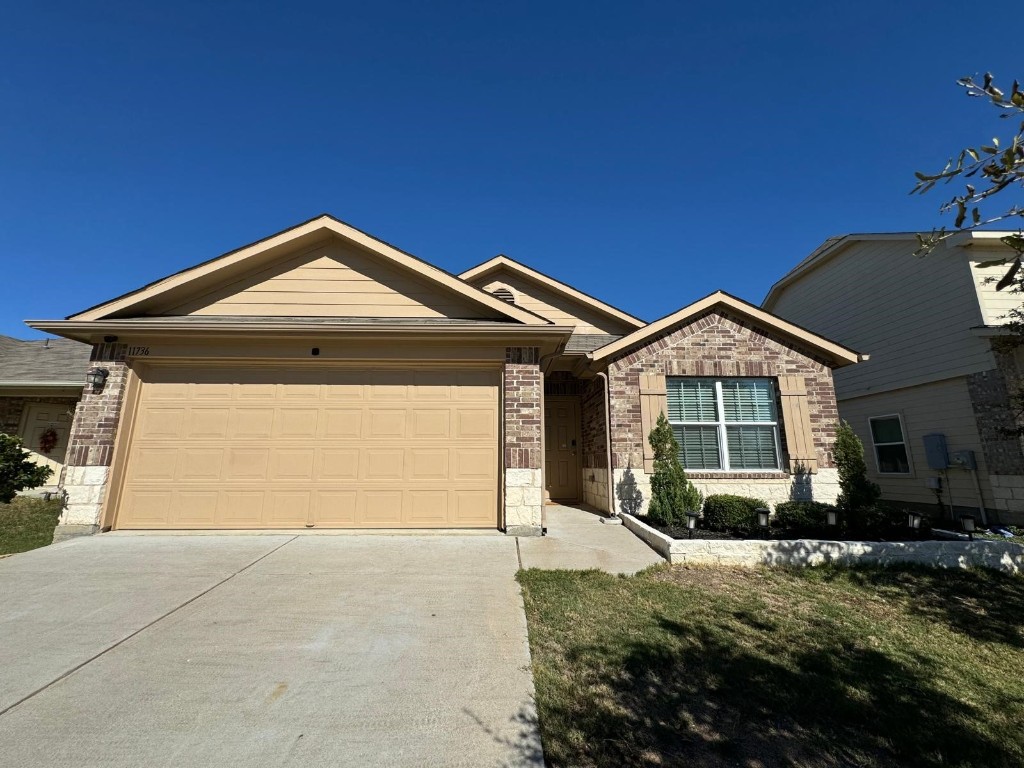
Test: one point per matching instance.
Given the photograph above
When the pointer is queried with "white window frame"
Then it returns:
(721, 424)
(903, 442)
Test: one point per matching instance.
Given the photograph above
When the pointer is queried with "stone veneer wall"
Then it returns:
(1000, 555)
(996, 423)
(523, 389)
(91, 445)
(718, 344)
(593, 445)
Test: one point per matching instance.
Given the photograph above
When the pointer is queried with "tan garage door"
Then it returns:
(332, 448)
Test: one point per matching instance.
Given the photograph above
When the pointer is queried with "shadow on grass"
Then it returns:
(982, 604)
(725, 688)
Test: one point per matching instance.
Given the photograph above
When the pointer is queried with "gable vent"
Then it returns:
(504, 294)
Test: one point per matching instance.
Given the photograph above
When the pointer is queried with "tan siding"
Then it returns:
(559, 309)
(943, 407)
(912, 316)
(994, 304)
(333, 281)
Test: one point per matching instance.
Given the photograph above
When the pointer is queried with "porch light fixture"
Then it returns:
(914, 521)
(96, 378)
(832, 518)
(691, 523)
(762, 518)
(967, 523)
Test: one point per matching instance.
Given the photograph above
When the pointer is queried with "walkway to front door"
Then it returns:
(579, 540)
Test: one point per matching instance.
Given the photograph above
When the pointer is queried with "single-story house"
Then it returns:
(323, 378)
(41, 383)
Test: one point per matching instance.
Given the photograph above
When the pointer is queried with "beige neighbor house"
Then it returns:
(323, 378)
(40, 386)
(928, 325)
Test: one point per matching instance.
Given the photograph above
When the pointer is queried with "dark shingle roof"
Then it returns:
(581, 343)
(46, 361)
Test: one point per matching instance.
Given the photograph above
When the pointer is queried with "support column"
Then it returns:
(524, 494)
(91, 444)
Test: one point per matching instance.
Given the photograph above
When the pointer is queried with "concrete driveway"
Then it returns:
(270, 650)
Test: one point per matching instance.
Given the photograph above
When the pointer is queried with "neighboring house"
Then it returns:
(323, 378)
(40, 385)
(927, 324)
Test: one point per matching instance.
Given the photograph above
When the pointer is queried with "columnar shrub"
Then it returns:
(672, 494)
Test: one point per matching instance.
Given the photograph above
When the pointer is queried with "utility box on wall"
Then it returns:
(935, 451)
(964, 460)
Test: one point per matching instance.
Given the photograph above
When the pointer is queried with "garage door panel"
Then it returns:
(275, 448)
(241, 509)
(200, 464)
(338, 464)
(292, 464)
(208, 423)
(335, 508)
(157, 423)
(149, 464)
(382, 509)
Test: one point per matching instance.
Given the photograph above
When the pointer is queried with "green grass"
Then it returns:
(812, 667)
(27, 524)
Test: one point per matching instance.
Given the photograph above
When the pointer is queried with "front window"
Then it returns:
(724, 424)
(890, 445)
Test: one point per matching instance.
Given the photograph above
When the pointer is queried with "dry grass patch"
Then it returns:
(774, 667)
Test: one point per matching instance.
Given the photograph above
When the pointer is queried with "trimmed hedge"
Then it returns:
(802, 515)
(731, 514)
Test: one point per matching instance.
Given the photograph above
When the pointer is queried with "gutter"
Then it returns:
(603, 375)
(44, 384)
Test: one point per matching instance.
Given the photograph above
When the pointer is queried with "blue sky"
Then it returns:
(709, 145)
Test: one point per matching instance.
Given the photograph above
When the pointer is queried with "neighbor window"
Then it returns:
(890, 445)
(724, 424)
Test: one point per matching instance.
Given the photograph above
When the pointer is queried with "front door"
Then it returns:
(45, 430)
(562, 448)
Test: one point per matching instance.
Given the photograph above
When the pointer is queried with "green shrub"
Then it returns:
(732, 514)
(856, 491)
(672, 494)
(17, 472)
(802, 515)
(880, 520)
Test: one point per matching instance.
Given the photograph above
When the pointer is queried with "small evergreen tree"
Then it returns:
(856, 491)
(17, 472)
(672, 494)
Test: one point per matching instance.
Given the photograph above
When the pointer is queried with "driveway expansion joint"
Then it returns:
(140, 630)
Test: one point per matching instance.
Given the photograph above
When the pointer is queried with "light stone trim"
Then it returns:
(524, 500)
(595, 488)
(84, 487)
(997, 555)
(822, 486)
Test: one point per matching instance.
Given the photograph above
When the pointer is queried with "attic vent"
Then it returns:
(504, 294)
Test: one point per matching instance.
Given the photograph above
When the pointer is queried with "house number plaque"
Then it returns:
(138, 351)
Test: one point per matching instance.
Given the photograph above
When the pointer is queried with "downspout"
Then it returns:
(608, 440)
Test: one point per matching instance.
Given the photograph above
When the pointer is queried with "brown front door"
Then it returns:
(562, 447)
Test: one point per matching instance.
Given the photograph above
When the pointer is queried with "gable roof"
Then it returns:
(830, 350)
(833, 246)
(501, 262)
(43, 362)
(265, 251)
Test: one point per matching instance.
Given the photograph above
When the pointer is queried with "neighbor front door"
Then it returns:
(45, 430)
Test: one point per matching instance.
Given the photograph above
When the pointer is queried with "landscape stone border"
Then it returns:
(1002, 556)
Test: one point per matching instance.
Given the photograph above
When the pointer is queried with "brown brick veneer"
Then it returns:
(522, 394)
(716, 344)
(96, 418)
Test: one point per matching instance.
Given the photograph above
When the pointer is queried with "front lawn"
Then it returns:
(27, 524)
(814, 667)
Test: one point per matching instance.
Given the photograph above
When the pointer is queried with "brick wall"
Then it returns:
(717, 345)
(523, 388)
(91, 445)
